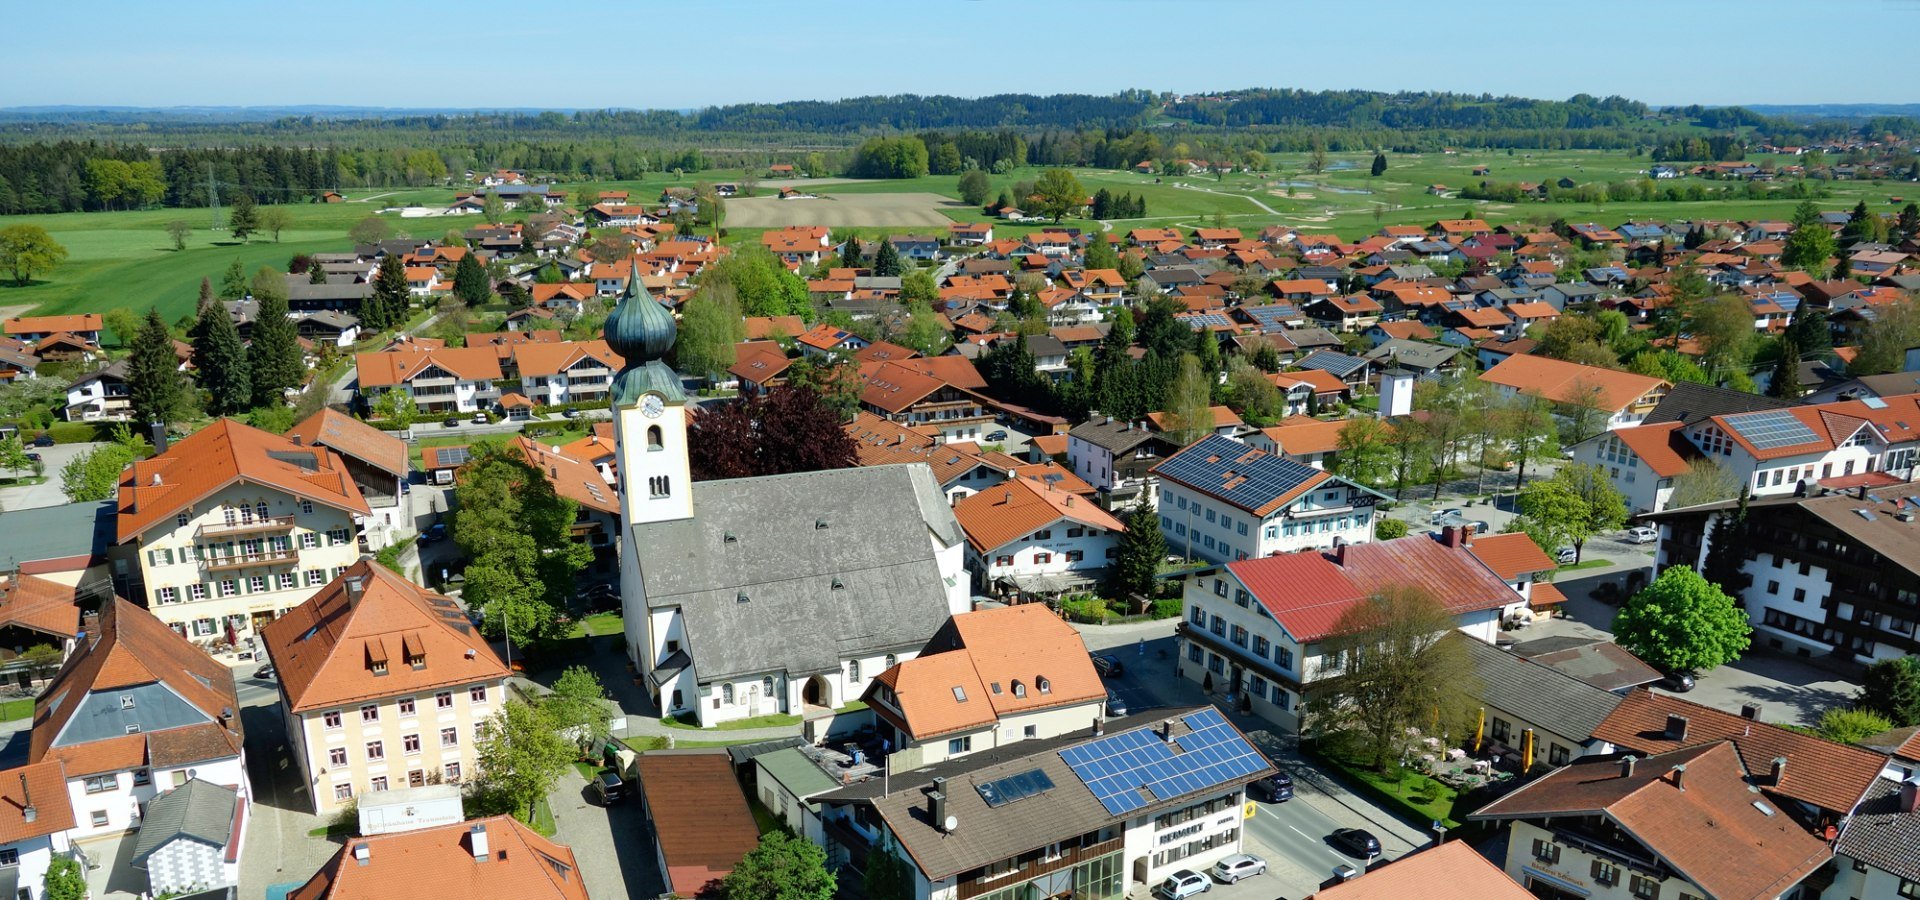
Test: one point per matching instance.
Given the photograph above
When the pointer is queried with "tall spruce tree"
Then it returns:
(387, 308)
(233, 283)
(1379, 164)
(153, 372)
(470, 282)
(886, 260)
(850, 252)
(1786, 373)
(243, 219)
(206, 296)
(273, 359)
(222, 362)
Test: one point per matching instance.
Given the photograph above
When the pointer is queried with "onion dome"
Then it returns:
(639, 329)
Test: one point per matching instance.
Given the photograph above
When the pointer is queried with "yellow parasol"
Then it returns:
(1526, 752)
(1480, 730)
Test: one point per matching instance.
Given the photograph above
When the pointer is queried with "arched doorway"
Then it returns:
(817, 692)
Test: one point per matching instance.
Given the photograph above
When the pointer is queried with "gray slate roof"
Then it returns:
(1687, 402)
(1880, 835)
(198, 810)
(1414, 354)
(782, 542)
(56, 532)
(1546, 697)
(1114, 435)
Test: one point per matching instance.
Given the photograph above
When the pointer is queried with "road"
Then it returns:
(46, 493)
(1250, 199)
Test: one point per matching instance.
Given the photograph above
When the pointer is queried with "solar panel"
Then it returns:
(1003, 791)
(454, 456)
(1130, 770)
(1267, 476)
(1771, 428)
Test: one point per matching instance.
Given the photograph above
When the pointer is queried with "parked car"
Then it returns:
(1273, 788)
(1357, 841)
(264, 673)
(1481, 526)
(608, 789)
(1116, 707)
(1445, 515)
(33, 457)
(1183, 884)
(1642, 534)
(1238, 866)
(479, 418)
(1678, 682)
(450, 422)
(44, 440)
(570, 413)
(435, 533)
(997, 435)
(1109, 666)
(1565, 556)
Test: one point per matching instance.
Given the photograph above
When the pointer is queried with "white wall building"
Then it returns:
(1223, 500)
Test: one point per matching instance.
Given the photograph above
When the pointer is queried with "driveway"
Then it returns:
(279, 849)
(612, 844)
(48, 493)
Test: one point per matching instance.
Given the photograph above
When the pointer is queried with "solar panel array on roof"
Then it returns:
(1003, 791)
(1130, 770)
(1206, 320)
(454, 456)
(1262, 476)
(1771, 428)
(1274, 314)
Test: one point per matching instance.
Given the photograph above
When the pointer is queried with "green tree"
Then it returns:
(1402, 670)
(974, 187)
(578, 709)
(1810, 243)
(154, 384)
(64, 880)
(1189, 403)
(272, 419)
(1704, 481)
(396, 407)
(518, 534)
(95, 474)
(917, 286)
(1379, 164)
(1851, 726)
(275, 219)
(521, 755)
(274, 361)
(888, 877)
(1577, 503)
(387, 308)
(1363, 452)
(1785, 383)
(711, 329)
(13, 455)
(233, 282)
(783, 867)
(492, 208)
(923, 332)
(244, 218)
(178, 231)
(221, 361)
(1883, 347)
(1137, 561)
(1891, 688)
(370, 230)
(470, 281)
(316, 275)
(1682, 623)
(28, 250)
(1385, 529)
(886, 260)
(1058, 194)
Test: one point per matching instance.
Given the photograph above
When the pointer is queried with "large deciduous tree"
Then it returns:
(786, 429)
(783, 867)
(28, 250)
(1682, 623)
(520, 754)
(1058, 194)
(711, 330)
(1400, 667)
(1189, 405)
(1891, 688)
(1810, 243)
(518, 534)
(1704, 481)
(974, 187)
(1577, 503)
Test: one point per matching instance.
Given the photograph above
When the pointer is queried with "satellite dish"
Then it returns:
(951, 824)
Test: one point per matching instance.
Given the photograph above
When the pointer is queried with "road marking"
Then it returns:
(1299, 832)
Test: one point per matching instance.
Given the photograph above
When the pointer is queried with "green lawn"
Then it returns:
(599, 625)
(1419, 797)
(644, 744)
(11, 710)
(1584, 564)
(776, 720)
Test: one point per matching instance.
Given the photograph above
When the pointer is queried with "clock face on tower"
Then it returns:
(652, 405)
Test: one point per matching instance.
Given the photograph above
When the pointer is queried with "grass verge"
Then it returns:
(688, 723)
(16, 709)
(599, 625)
(1415, 796)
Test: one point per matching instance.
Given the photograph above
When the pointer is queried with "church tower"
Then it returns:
(649, 411)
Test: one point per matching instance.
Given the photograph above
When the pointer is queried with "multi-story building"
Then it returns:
(446, 379)
(136, 711)
(1833, 572)
(1594, 398)
(1223, 500)
(492, 857)
(989, 678)
(1027, 536)
(1125, 804)
(232, 526)
(100, 396)
(568, 372)
(1878, 851)
(1258, 627)
(1680, 825)
(383, 684)
(30, 841)
(1117, 458)
(377, 462)
(913, 397)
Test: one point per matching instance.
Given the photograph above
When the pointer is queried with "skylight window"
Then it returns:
(959, 694)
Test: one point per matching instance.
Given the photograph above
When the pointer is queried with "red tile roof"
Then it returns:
(1310, 591)
(39, 604)
(50, 324)
(439, 862)
(1565, 382)
(350, 437)
(394, 367)
(700, 819)
(1511, 556)
(1450, 871)
(995, 649)
(571, 478)
(1661, 446)
(221, 454)
(1006, 512)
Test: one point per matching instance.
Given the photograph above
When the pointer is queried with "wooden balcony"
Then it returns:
(974, 887)
(248, 526)
(250, 560)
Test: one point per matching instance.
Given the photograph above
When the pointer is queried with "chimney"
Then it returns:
(1626, 766)
(1860, 492)
(1166, 730)
(159, 432)
(1676, 727)
(29, 812)
(937, 803)
(1909, 795)
(1750, 711)
(354, 586)
(362, 853)
(477, 841)
(1679, 774)
(1779, 770)
(1340, 553)
(1099, 728)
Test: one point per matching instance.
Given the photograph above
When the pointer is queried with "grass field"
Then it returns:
(124, 259)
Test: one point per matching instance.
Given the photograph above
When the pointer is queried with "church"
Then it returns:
(778, 594)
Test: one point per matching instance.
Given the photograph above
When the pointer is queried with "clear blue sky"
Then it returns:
(655, 54)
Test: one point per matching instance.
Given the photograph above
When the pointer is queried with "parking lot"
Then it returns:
(47, 493)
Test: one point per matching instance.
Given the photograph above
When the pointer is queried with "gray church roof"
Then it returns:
(797, 572)
(198, 809)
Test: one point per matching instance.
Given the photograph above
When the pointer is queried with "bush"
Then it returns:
(1388, 529)
(1086, 608)
(1168, 608)
(78, 432)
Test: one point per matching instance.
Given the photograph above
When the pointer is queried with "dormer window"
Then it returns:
(1019, 690)
(1046, 687)
(126, 701)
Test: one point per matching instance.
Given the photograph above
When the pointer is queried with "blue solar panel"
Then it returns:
(1204, 466)
(1772, 428)
(1003, 791)
(1130, 770)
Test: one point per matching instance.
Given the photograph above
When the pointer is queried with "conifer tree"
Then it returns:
(222, 362)
(274, 363)
(153, 373)
(388, 305)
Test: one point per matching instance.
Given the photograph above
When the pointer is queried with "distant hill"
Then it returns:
(1836, 110)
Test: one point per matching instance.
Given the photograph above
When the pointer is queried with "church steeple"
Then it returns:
(642, 332)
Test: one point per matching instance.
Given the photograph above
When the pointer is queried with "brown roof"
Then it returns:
(1692, 807)
(49, 324)
(1014, 509)
(393, 367)
(996, 649)
(1510, 555)
(520, 865)
(42, 786)
(575, 480)
(350, 437)
(765, 327)
(1828, 775)
(551, 359)
(1309, 592)
(220, 454)
(133, 648)
(1050, 444)
(1566, 382)
(1661, 446)
(758, 361)
(1451, 871)
(894, 387)
(1305, 434)
(40, 604)
(878, 441)
(324, 648)
(700, 819)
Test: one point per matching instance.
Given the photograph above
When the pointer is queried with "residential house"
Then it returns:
(1028, 537)
(912, 396)
(102, 395)
(759, 366)
(377, 463)
(495, 858)
(1355, 312)
(1258, 627)
(698, 821)
(357, 663)
(1449, 871)
(1383, 332)
(1595, 399)
(1304, 439)
(1352, 371)
(36, 820)
(443, 380)
(1424, 360)
(1117, 458)
(1224, 500)
(1878, 851)
(136, 710)
(191, 838)
(560, 374)
(1531, 708)
(1309, 390)
(825, 340)
(596, 504)
(989, 679)
(1096, 839)
(970, 234)
(33, 329)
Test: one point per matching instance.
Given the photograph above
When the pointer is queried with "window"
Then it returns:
(337, 756)
(1257, 686)
(1557, 755)
(337, 536)
(196, 592)
(654, 439)
(657, 486)
(1546, 851)
(11, 857)
(960, 745)
(343, 792)
(376, 750)
(98, 817)
(309, 540)
(452, 771)
(443, 700)
(410, 744)
(1605, 873)
(1240, 597)
(316, 578)
(1644, 888)
(1199, 616)
(1220, 587)
(1043, 534)
(1003, 560)
(369, 713)
(100, 784)
(256, 584)
(1773, 587)
(169, 595)
(1283, 657)
(142, 777)
(1193, 653)
(1045, 686)
(379, 783)
(1908, 889)
(1799, 595)
(1019, 690)
(1219, 626)
(477, 693)
(449, 737)
(229, 587)
(288, 581)
(1215, 664)
(1502, 730)
(853, 670)
(726, 695)
(1074, 556)
(1260, 646)
(1238, 637)
(331, 719)
(406, 706)
(182, 520)
(306, 507)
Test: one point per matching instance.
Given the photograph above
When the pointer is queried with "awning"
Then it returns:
(1544, 594)
(1048, 584)
(669, 668)
(1560, 883)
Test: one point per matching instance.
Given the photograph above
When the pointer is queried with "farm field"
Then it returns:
(863, 210)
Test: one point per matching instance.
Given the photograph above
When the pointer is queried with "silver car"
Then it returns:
(1182, 884)
(1238, 866)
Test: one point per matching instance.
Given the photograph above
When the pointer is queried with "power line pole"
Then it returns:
(213, 200)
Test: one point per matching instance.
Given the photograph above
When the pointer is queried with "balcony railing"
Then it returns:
(247, 526)
(247, 560)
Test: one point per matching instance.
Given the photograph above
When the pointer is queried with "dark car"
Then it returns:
(1272, 789)
(1357, 842)
(434, 534)
(570, 413)
(450, 422)
(1109, 666)
(33, 457)
(608, 789)
(997, 435)
(44, 440)
(1116, 706)
(1678, 682)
